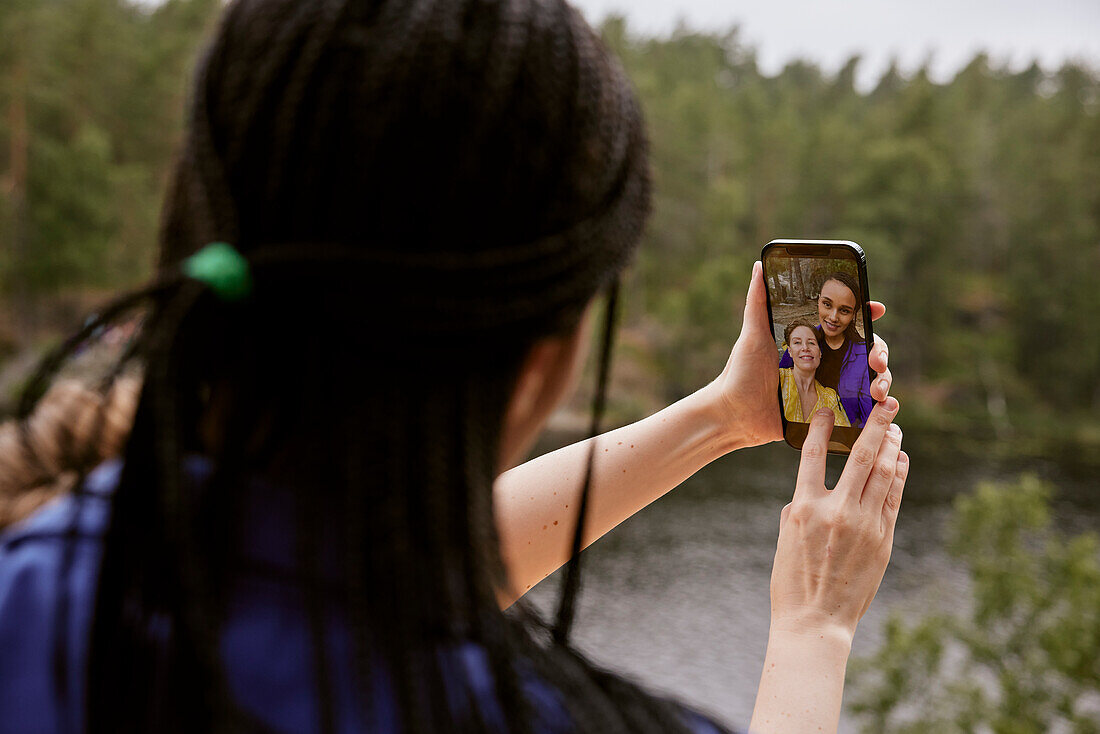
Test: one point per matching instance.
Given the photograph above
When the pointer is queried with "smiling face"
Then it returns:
(804, 349)
(836, 307)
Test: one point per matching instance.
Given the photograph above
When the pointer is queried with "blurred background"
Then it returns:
(959, 144)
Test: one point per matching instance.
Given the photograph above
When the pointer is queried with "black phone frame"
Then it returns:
(795, 433)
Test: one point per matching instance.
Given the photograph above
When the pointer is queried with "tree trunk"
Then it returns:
(798, 289)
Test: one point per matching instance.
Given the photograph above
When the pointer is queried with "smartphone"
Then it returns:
(818, 305)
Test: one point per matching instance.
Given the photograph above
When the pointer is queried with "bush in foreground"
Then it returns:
(1026, 656)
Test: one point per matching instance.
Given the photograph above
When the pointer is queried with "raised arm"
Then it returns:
(636, 464)
(535, 503)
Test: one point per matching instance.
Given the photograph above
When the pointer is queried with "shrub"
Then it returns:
(1024, 658)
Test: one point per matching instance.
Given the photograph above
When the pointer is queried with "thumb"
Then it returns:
(756, 305)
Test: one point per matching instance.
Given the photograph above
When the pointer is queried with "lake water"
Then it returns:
(677, 596)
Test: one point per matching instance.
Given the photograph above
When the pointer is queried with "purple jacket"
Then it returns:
(855, 381)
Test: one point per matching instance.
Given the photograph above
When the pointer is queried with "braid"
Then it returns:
(356, 554)
(197, 623)
(309, 531)
(571, 585)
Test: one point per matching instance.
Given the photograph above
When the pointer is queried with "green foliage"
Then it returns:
(977, 201)
(92, 95)
(73, 218)
(1025, 659)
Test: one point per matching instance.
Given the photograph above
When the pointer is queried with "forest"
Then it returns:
(977, 202)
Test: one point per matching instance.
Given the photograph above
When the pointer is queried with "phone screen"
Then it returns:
(817, 301)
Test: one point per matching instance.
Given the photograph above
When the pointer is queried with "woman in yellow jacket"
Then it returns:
(803, 395)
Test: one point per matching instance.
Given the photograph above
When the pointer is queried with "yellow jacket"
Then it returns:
(827, 399)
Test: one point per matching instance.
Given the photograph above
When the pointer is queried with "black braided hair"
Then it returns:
(423, 188)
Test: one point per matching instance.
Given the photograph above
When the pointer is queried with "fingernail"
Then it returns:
(903, 459)
(893, 430)
(891, 403)
(884, 385)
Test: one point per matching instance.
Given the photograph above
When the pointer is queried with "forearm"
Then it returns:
(802, 683)
(536, 502)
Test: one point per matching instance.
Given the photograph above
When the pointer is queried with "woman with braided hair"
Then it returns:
(316, 533)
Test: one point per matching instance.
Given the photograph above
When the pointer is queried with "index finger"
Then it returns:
(811, 468)
(858, 466)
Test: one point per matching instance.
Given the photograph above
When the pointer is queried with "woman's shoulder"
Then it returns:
(33, 548)
(857, 346)
(828, 395)
(85, 513)
(854, 365)
(786, 379)
(50, 556)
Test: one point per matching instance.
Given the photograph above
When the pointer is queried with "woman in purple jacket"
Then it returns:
(843, 351)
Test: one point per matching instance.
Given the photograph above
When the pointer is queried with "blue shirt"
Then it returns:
(265, 643)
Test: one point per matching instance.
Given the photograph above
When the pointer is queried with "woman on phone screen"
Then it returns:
(803, 394)
(311, 527)
(843, 351)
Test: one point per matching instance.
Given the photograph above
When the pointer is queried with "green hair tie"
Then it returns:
(223, 269)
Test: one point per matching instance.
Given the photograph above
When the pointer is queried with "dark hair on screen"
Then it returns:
(796, 324)
(850, 282)
(422, 190)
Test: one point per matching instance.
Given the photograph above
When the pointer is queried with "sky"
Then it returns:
(944, 33)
